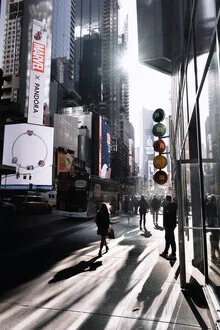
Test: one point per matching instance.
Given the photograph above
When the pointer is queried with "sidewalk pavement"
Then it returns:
(130, 287)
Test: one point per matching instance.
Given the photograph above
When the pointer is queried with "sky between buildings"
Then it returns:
(148, 88)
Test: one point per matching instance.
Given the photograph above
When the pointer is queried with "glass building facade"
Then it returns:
(196, 117)
(194, 43)
(88, 51)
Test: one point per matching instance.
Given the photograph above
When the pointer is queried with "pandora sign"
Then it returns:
(37, 73)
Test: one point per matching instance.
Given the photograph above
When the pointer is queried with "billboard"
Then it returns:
(37, 73)
(30, 149)
(65, 161)
(104, 154)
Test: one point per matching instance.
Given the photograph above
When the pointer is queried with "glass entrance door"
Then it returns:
(192, 242)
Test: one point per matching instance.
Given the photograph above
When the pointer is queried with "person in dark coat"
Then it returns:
(155, 206)
(169, 224)
(143, 209)
(103, 222)
(135, 202)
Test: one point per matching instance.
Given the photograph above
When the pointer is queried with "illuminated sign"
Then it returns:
(100, 146)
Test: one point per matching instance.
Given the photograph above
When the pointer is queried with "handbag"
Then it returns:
(111, 233)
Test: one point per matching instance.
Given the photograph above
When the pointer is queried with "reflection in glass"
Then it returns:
(191, 84)
(204, 23)
(209, 105)
(193, 246)
(88, 51)
(192, 217)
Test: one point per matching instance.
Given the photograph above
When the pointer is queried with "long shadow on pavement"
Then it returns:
(82, 266)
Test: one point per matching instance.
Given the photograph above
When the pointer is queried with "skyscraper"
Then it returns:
(98, 77)
(96, 51)
(17, 51)
(88, 51)
(62, 91)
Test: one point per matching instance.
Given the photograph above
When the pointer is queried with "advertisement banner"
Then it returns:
(149, 148)
(100, 146)
(106, 144)
(65, 162)
(30, 149)
(37, 73)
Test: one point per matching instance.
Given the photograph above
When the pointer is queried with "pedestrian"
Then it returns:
(169, 224)
(155, 205)
(126, 204)
(135, 202)
(212, 221)
(103, 222)
(143, 209)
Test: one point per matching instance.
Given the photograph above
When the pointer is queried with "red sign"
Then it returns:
(159, 146)
(38, 57)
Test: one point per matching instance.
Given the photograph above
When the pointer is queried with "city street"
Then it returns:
(51, 278)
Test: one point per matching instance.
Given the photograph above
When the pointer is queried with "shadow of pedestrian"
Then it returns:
(82, 266)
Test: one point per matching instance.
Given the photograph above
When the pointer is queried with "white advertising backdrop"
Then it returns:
(29, 148)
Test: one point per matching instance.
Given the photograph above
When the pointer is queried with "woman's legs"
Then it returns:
(103, 243)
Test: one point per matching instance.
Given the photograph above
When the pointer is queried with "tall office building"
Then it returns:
(96, 51)
(88, 68)
(62, 91)
(111, 75)
(2, 24)
(124, 76)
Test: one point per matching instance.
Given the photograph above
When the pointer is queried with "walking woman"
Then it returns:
(103, 222)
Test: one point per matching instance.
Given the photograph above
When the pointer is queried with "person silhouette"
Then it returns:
(143, 209)
(169, 223)
(212, 219)
(155, 206)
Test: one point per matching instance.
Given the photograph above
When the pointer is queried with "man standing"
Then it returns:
(155, 206)
(143, 209)
(169, 224)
